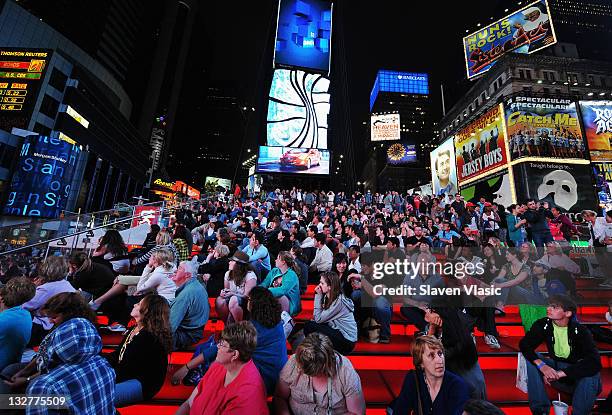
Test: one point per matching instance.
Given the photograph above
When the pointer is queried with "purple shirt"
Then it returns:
(43, 293)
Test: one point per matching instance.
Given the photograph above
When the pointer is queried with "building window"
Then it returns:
(572, 77)
(549, 75)
(49, 106)
(593, 80)
(58, 80)
(546, 90)
(42, 129)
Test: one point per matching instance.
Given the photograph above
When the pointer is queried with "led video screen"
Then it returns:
(303, 36)
(597, 121)
(298, 108)
(443, 169)
(293, 160)
(42, 180)
(399, 154)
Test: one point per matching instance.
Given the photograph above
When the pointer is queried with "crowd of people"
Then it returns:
(256, 256)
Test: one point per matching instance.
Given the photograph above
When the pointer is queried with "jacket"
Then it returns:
(289, 287)
(583, 359)
(338, 316)
(537, 220)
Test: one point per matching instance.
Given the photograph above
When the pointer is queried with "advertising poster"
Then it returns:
(145, 214)
(443, 171)
(494, 189)
(597, 122)
(41, 182)
(292, 160)
(559, 184)
(603, 181)
(254, 183)
(385, 127)
(303, 36)
(543, 127)
(481, 146)
(399, 154)
(298, 107)
(524, 31)
(213, 184)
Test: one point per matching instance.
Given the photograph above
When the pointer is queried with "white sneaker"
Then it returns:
(492, 342)
(473, 338)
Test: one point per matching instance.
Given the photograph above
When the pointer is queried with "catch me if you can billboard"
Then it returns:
(524, 31)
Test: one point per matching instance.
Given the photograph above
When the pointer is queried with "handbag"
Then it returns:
(372, 329)
(521, 373)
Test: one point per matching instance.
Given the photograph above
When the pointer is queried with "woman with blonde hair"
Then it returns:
(162, 241)
(318, 380)
(284, 284)
(333, 314)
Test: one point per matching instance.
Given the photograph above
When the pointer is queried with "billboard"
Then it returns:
(298, 107)
(557, 184)
(303, 35)
(213, 184)
(292, 160)
(255, 183)
(146, 214)
(496, 189)
(597, 122)
(603, 181)
(385, 127)
(524, 31)
(543, 127)
(399, 154)
(399, 82)
(481, 146)
(41, 183)
(443, 171)
(21, 74)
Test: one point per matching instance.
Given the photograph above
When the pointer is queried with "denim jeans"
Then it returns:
(540, 239)
(516, 294)
(585, 392)
(381, 311)
(127, 393)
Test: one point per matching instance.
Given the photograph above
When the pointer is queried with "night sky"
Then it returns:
(233, 42)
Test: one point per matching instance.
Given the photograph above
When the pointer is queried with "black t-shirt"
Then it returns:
(414, 240)
(144, 359)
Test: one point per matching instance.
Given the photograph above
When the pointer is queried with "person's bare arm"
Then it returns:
(281, 398)
(186, 406)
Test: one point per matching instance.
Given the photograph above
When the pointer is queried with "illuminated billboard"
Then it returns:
(559, 184)
(524, 31)
(384, 127)
(399, 154)
(496, 189)
(298, 107)
(41, 183)
(543, 127)
(603, 182)
(481, 146)
(293, 160)
(303, 36)
(21, 74)
(255, 183)
(443, 171)
(399, 82)
(213, 184)
(597, 122)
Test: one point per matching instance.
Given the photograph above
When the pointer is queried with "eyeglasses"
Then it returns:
(225, 345)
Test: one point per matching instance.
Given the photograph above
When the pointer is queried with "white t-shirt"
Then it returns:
(232, 285)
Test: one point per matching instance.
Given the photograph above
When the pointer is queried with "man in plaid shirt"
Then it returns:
(77, 371)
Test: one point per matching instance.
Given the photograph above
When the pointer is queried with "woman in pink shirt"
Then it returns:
(232, 385)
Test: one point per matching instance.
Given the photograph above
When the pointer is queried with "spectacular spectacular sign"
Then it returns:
(524, 31)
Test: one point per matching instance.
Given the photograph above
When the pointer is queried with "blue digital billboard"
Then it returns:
(303, 36)
(400, 82)
(41, 183)
(399, 154)
(298, 107)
